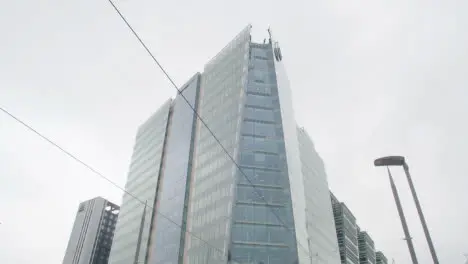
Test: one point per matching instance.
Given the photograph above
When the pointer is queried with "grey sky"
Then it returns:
(369, 78)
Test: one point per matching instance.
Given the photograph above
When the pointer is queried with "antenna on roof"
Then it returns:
(269, 33)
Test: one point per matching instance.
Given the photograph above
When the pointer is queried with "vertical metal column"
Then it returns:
(403, 219)
(421, 215)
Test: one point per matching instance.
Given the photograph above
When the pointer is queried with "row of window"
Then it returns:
(212, 231)
(206, 180)
(145, 162)
(257, 254)
(129, 226)
(261, 176)
(260, 143)
(259, 159)
(240, 43)
(263, 214)
(212, 191)
(253, 127)
(153, 124)
(258, 99)
(261, 234)
(135, 206)
(261, 195)
(222, 131)
(153, 136)
(262, 115)
(213, 212)
(226, 98)
(144, 173)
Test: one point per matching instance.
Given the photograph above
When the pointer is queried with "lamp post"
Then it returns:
(380, 162)
(400, 161)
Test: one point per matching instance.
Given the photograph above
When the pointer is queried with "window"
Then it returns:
(259, 157)
(260, 114)
(259, 89)
(260, 58)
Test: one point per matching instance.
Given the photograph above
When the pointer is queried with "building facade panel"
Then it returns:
(294, 167)
(347, 232)
(322, 238)
(380, 258)
(263, 224)
(131, 236)
(167, 241)
(366, 248)
(212, 186)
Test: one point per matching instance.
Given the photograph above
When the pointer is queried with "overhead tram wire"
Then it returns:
(199, 117)
(96, 172)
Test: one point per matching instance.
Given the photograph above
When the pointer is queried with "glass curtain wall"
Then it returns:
(142, 182)
(322, 239)
(168, 235)
(263, 225)
(212, 187)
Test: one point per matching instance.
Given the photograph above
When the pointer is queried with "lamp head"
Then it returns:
(390, 161)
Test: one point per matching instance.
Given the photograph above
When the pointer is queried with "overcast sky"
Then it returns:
(369, 78)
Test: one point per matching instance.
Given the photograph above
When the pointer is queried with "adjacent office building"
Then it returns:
(255, 192)
(346, 230)
(355, 246)
(366, 248)
(380, 258)
(91, 237)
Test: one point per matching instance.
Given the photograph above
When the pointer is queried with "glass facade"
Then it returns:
(380, 258)
(346, 229)
(291, 142)
(91, 238)
(106, 233)
(263, 225)
(366, 248)
(167, 239)
(322, 240)
(142, 182)
(213, 180)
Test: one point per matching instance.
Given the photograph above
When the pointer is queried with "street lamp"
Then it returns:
(400, 161)
(402, 217)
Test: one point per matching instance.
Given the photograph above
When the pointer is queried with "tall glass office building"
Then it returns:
(255, 193)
